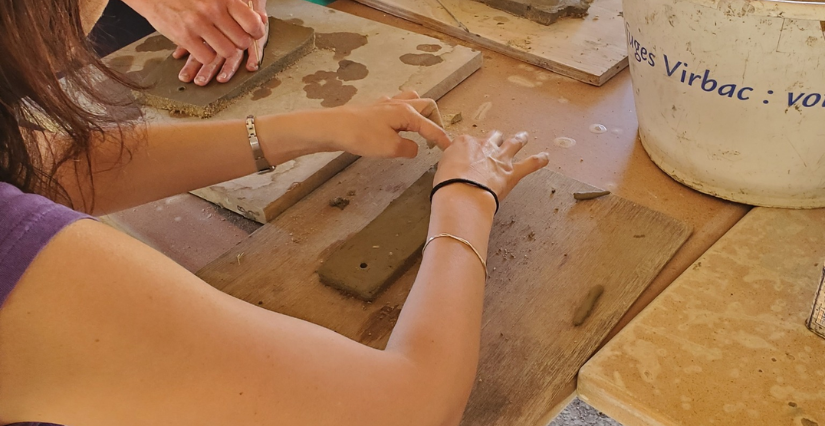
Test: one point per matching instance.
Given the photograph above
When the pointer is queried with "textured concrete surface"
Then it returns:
(579, 413)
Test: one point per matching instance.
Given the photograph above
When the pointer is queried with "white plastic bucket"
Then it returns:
(730, 96)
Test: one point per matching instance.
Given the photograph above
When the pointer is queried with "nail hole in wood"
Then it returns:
(181, 88)
(363, 266)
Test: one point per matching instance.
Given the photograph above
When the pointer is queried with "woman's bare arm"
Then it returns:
(172, 158)
(103, 330)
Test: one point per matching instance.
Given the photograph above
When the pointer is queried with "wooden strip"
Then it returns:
(546, 252)
(592, 49)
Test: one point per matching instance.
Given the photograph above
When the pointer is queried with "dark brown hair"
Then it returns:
(51, 79)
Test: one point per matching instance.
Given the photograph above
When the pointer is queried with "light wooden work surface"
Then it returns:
(726, 343)
(547, 252)
(592, 49)
(554, 106)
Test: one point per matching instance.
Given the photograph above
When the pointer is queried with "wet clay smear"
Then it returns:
(326, 86)
(428, 48)
(329, 86)
(155, 43)
(265, 90)
(381, 252)
(421, 59)
(586, 308)
(288, 43)
(138, 75)
(341, 43)
(121, 63)
(350, 71)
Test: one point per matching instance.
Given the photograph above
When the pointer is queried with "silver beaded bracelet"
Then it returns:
(257, 153)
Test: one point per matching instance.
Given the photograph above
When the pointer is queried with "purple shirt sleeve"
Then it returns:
(27, 223)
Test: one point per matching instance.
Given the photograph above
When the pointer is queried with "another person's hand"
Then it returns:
(489, 162)
(372, 130)
(224, 67)
(205, 28)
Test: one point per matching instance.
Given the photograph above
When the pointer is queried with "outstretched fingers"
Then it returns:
(513, 145)
(496, 138)
(530, 165)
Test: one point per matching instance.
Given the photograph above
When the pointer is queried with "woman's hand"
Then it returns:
(369, 131)
(489, 162)
(206, 28)
(224, 67)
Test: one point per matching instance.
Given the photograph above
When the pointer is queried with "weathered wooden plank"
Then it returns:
(547, 251)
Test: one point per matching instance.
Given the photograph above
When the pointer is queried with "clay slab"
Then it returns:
(287, 44)
(544, 12)
(384, 249)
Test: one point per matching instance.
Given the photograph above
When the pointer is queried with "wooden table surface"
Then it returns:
(509, 96)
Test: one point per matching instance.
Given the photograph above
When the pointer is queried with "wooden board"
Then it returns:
(726, 343)
(321, 79)
(542, 261)
(591, 50)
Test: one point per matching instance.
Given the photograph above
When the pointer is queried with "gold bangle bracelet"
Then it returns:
(463, 241)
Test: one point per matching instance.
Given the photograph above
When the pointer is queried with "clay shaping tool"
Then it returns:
(255, 41)
(460, 24)
(816, 322)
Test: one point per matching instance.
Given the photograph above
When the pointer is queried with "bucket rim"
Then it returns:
(793, 9)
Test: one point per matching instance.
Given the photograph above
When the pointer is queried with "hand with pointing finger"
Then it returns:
(370, 131)
(373, 130)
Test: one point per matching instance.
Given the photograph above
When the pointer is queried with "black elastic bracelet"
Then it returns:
(465, 181)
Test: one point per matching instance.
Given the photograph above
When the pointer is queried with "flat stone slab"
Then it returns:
(287, 44)
(726, 343)
(544, 12)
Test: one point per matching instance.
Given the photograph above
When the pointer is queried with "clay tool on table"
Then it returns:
(590, 195)
(586, 308)
(460, 24)
(816, 322)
